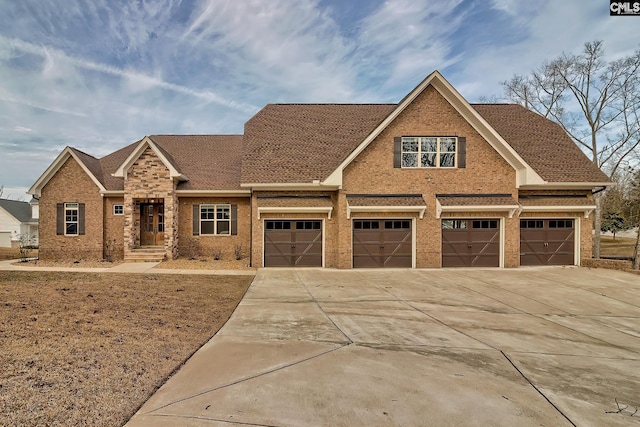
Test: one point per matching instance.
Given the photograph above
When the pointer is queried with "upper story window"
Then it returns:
(71, 219)
(118, 209)
(215, 219)
(429, 151)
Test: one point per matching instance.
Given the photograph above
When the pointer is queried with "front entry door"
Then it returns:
(151, 224)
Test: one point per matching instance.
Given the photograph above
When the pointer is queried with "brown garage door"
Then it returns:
(293, 243)
(547, 242)
(470, 243)
(382, 243)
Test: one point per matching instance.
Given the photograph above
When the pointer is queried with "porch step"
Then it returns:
(146, 254)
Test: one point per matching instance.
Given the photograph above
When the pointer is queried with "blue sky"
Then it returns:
(100, 74)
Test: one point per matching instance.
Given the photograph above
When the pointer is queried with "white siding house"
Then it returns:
(17, 219)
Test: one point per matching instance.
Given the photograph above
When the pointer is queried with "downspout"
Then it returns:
(251, 229)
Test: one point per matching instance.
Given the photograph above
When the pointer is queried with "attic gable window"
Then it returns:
(429, 152)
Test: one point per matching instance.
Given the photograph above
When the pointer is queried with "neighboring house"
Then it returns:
(432, 181)
(18, 219)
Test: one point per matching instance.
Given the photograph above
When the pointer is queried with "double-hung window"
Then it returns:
(71, 219)
(215, 219)
(429, 151)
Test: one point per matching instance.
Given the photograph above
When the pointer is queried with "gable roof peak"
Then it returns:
(88, 163)
(524, 173)
(165, 158)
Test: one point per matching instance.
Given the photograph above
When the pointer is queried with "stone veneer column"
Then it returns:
(149, 179)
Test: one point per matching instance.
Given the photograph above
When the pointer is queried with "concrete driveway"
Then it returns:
(464, 347)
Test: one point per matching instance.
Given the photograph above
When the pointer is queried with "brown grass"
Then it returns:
(206, 264)
(88, 349)
(621, 247)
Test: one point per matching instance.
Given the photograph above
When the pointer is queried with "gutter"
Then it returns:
(599, 190)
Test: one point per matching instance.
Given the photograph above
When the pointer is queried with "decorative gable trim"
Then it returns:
(145, 143)
(66, 154)
(525, 175)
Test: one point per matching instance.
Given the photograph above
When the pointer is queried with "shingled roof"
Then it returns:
(299, 143)
(18, 209)
(543, 144)
(210, 162)
(287, 143)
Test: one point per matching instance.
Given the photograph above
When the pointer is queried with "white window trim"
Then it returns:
(114, 210)
(419, 153)
(76, 222)
(215, 219)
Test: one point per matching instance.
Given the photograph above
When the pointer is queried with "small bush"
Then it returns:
(25, 246)
(192, 249)
(238, 252)
(109, 247)
(217, 254)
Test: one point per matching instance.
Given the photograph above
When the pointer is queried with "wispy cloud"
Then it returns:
(99, 75)
(138, 80)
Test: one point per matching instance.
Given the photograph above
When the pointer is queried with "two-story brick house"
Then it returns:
(432, 181)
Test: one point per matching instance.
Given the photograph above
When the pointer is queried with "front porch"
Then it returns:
(149, 233)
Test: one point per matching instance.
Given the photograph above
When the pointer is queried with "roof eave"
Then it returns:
(567, 185)
(323, 210)
(510, 209)
(213, 193)
(586, 210)
(54, 167)
(135, 154)
(420, 210)
(284, 186)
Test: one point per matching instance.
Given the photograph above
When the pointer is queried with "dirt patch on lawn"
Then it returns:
(88, 349)
(83, 263)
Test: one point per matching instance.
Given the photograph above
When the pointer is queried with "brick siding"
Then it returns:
(208, 245)
(71, 184)
(114, 227)
(429, 115)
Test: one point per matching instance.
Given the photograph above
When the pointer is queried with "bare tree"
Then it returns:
(593, 100)
(634, 204)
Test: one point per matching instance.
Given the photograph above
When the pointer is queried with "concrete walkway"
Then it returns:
(126, 267)
(464, 347)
